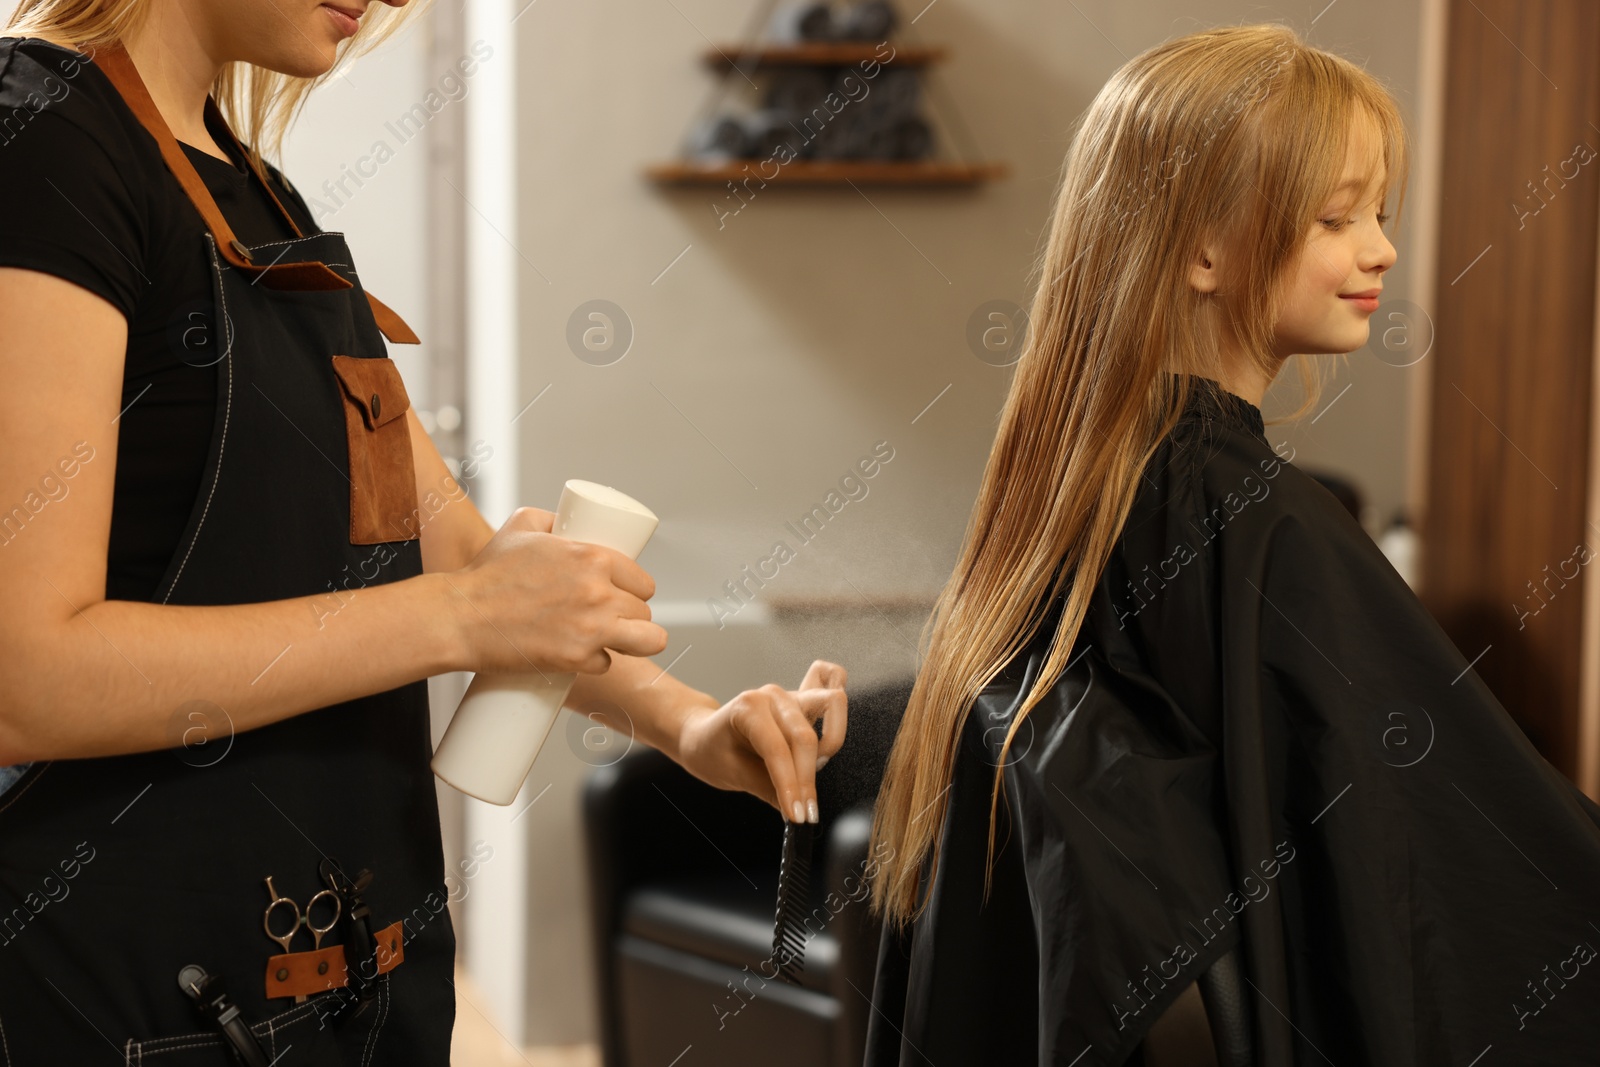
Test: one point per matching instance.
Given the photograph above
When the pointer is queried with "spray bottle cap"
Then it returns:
(601, 515)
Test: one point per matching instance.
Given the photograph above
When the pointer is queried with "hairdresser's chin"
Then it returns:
(300, 38)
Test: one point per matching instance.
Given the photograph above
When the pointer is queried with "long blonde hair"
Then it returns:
(259, 104)
(1236, 134)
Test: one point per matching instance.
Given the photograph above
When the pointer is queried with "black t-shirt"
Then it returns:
(86, 196)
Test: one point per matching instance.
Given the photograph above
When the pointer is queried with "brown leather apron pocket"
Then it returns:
(383, 485)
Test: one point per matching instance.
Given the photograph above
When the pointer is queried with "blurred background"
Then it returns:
(562, 208)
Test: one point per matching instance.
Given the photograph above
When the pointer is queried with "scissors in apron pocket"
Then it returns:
(300, 919)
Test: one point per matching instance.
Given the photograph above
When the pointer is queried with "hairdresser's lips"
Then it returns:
(1366, 300)
(345, 18)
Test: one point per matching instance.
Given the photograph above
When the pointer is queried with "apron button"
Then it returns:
(322, 968)
(244, 253)
(376, 407)
(283, 974)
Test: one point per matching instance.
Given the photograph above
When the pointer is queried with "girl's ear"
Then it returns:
(1204, 273)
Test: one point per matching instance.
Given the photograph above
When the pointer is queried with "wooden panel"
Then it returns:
(1511, 388)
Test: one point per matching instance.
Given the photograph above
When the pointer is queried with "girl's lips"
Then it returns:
(345, 21)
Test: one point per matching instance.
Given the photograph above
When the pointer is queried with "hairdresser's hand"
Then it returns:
(763, 741)
(532, 599)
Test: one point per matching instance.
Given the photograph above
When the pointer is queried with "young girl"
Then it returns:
(1178, 712)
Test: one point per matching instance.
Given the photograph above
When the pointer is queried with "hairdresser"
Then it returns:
(202, 439)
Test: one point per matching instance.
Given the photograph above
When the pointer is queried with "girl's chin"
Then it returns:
(1332, 343)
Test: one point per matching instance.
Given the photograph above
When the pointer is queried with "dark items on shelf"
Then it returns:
(833, 102)
(825, 113)
(866, 20)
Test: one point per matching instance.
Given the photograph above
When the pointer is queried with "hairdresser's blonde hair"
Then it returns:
(1235, 135)
(259, 104)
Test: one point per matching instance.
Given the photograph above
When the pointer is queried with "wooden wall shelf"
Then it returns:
(827, 53)
(896, 144)
(828, 172)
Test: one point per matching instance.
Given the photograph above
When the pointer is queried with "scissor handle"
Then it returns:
(266, 919)
(317, 932)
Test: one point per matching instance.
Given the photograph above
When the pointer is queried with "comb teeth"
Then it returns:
(794, 894)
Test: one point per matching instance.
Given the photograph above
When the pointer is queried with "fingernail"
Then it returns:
(821, 761)
(799, 812)
(811, 809)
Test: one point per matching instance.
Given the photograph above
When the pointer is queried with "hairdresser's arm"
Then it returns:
(453, 530)
(761, 741)
(85, 676)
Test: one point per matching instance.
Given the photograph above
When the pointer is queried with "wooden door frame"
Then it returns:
(1518, 340)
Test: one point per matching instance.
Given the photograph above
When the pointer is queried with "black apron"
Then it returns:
(116, 872)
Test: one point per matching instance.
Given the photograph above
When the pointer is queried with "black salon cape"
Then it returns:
(1264, 740)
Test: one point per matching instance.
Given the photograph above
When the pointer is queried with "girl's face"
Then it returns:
(1333, 287)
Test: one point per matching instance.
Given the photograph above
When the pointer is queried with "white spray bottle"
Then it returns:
(503, 719)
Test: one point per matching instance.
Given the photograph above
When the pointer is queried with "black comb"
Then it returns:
(794, 896)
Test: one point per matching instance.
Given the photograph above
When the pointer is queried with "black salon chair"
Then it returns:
(684, 880)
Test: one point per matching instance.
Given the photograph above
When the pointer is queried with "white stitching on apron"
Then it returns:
(207, 1043)
(226, 416)
(137, 1049)
(383, 1013)
(300, 240)
(134, 1051)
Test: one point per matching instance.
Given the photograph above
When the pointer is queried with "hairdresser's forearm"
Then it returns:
(654, 703)
(121, 676)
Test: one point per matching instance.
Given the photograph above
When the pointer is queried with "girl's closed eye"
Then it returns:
(1335, 223)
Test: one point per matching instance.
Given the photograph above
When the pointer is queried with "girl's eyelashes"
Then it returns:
(1337, 224)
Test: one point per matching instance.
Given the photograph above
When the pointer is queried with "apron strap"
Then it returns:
(393, 326)
(315, 275)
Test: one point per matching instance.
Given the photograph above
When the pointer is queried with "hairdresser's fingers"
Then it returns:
(626, 574)
(823, 675)
(631, 637)
(831, 706)
(802, 738)
(753, 718)
(536, 520)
